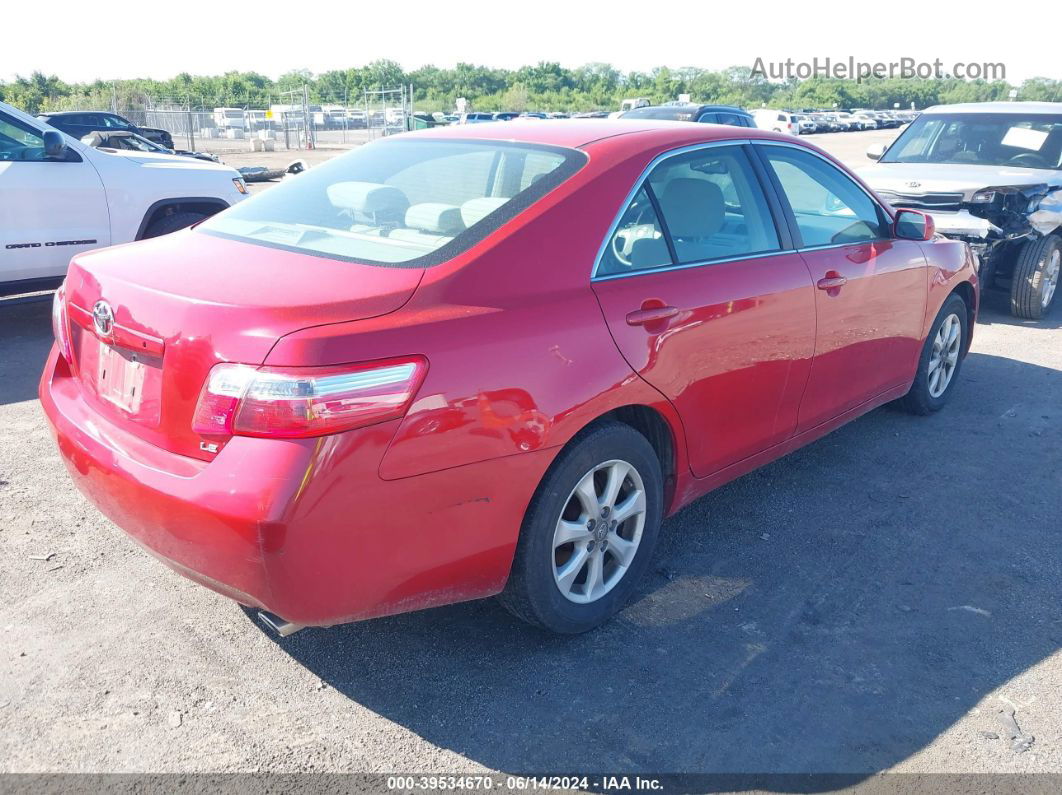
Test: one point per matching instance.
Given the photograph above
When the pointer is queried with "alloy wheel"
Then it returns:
(1051, 269)
(598, 532)
(944, 357)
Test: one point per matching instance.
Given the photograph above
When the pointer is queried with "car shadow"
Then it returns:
(832, 612)
(25, 339)
(995, 309)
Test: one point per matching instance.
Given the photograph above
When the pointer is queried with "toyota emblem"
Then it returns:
(103, 318)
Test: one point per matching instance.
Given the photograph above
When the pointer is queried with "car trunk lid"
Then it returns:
(149, 320)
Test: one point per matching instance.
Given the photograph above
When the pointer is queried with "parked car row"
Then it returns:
(783, 121)
(850, 121)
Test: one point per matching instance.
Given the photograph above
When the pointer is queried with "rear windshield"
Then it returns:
(412, 202)
(984, 139)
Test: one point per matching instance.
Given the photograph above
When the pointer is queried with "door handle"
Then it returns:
(831, 281)
(643, 317)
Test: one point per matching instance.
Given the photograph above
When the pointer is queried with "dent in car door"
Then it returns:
(706, 304)
(871, 288)
(49, 210)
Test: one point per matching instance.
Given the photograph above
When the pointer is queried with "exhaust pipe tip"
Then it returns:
(278, 625)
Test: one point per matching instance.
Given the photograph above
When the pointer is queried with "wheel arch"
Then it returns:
(968, 294)
(657, 430)
(208, 205)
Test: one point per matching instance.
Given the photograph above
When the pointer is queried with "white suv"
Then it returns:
(989, 173)
(777, 120)
(60, 197)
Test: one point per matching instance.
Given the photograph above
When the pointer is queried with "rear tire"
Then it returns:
(576, 565)
(1036, 275)
(172, 223)
(941, 359)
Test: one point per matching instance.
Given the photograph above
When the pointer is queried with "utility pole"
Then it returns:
(306, 115)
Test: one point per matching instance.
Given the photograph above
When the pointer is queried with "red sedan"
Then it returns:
(489, 360)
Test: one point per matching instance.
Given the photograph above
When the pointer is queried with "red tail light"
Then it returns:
(305, 401)
(60, 326)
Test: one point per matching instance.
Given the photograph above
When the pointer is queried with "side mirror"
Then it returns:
(54, 145)
(913, 225)
(875, 151)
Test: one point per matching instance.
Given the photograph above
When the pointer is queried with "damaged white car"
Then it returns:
(991, 174)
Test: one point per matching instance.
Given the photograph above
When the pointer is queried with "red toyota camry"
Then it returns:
(489, 360)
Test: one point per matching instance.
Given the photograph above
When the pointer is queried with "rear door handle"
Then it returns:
(831, 281)
(642, 317)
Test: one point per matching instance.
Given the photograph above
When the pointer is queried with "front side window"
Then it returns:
(713, 205)
(413, 202)
(829, 207)
(18, 142)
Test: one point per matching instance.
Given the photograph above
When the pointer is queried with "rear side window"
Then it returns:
(638, 242)
(696, 207)
(829, 207)
(414, 202)
(713, 205)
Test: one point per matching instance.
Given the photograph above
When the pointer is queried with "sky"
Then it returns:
(82, 42)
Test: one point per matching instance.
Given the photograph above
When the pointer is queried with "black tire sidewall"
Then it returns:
(1026, 300)
(533, 568)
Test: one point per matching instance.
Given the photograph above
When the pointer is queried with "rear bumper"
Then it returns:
(303, 528)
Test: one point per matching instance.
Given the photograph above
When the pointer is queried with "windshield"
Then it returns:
(984, 139)
(414, 202)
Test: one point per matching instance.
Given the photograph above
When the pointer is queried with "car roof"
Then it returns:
(698, 106)
(579, 133)
(61, 113)
(1053, 108)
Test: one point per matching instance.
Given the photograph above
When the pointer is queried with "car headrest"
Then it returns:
(475, 210)
(435, 217)
(693, 207)
(367, 198)
(649, 252)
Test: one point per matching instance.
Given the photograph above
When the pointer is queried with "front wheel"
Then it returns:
(589, 532)
(1035, 280)
(941, 359)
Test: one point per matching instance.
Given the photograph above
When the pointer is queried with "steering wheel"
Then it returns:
(1029, 159)
(623, 241)
(32, 153)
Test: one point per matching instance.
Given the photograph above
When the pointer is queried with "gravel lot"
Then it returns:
(885, 599)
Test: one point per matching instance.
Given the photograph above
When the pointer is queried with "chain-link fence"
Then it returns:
(295, 123)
